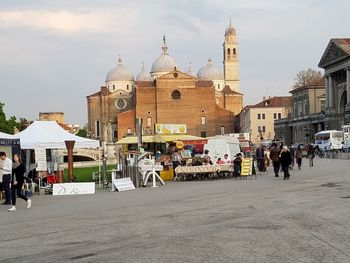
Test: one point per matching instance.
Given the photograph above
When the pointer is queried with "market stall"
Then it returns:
(163, 145)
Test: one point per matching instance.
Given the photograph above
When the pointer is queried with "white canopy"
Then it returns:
(6, 136)
(49, 135)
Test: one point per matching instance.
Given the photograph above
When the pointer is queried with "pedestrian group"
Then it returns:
(12, 180)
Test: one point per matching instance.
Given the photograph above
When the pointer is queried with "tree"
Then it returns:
(5, 126)
(8, 126)
(306, 77)
(82, 132)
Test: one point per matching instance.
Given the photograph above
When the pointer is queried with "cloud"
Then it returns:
(96, 20)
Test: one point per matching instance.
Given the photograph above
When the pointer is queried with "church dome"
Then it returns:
(143, 75)
(164, 63)
(210, 72)
(230, 30)
(120, 73)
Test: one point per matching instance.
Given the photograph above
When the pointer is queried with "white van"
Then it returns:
(220, 145)
(329, 140)
(346, 137)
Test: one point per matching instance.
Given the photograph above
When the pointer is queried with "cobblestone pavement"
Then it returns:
(304, 219)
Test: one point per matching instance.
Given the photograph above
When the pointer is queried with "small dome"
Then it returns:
(164, 63)
(120, 73)
(210, 72)
(143, 75)
(189, 70)
(230, 30)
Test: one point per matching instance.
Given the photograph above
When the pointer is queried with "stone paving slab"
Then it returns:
(304, 219)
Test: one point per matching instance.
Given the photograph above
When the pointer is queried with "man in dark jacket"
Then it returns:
(274, 156)
(286, 161)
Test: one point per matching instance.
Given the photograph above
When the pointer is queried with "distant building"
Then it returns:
(306, 117)
(59, 118)
(206, 103)
(258, 119)
(51, 116)
(336, 63)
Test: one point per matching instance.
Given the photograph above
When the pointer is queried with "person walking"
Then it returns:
(6, 169)
(274, 156)
(286, 161)
(299, 156)
(260, 158)
(311, 154)
(17, 180)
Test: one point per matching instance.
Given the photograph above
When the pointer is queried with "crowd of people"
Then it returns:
(13, 172)
(283, 158)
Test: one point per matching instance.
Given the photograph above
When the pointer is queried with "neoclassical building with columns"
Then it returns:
(336, 63)
(206, 102)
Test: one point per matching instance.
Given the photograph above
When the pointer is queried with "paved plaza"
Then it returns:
(305, 219)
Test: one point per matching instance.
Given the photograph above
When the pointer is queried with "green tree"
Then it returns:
(8, 126)
(82, 132)
(306, 77)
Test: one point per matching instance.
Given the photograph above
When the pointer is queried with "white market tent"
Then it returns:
(49, 135)
(6, 136)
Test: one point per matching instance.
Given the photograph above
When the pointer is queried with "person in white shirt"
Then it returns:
(226, 159)
(6, 169)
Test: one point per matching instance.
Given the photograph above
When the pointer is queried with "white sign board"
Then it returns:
(73, 189)
(40, 159)
(124, 184)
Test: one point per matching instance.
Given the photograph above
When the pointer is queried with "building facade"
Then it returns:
(306, 116)
(336, 63)
(258, 120)
(206, 103)
(51, 116)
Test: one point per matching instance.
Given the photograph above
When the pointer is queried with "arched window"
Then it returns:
(127, 87)
(234, 51)
(228, 51)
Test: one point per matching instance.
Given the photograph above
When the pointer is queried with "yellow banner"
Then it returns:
(170, 128)
(247, 166)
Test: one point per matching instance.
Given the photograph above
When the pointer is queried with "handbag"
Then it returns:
(27, 190)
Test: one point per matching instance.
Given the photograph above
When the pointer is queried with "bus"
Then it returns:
(346, 136)
(329, 140)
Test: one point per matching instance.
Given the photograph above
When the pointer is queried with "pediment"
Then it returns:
(332, 55)
(176, 74)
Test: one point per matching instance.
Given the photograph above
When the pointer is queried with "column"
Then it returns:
(330, 91)
(326, 91)
(348, 86)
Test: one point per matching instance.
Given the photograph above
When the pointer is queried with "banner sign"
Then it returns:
(9, 142)
(124, 184)
(170, 128)
(73, 188)
(247, 166)
(40, 159)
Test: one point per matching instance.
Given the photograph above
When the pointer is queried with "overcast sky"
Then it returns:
(53, 53)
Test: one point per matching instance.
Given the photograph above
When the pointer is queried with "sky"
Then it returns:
(54, 53)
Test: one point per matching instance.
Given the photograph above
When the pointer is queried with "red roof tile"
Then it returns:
(274, 102)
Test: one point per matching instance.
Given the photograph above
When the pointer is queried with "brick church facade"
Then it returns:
(207, 103)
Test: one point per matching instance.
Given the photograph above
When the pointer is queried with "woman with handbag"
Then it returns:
(17, 180)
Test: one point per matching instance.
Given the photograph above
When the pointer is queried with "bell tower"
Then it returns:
(230, 50)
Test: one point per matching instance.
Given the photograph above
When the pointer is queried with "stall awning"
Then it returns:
(133, 139)
(185, 138)
(162, 138)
